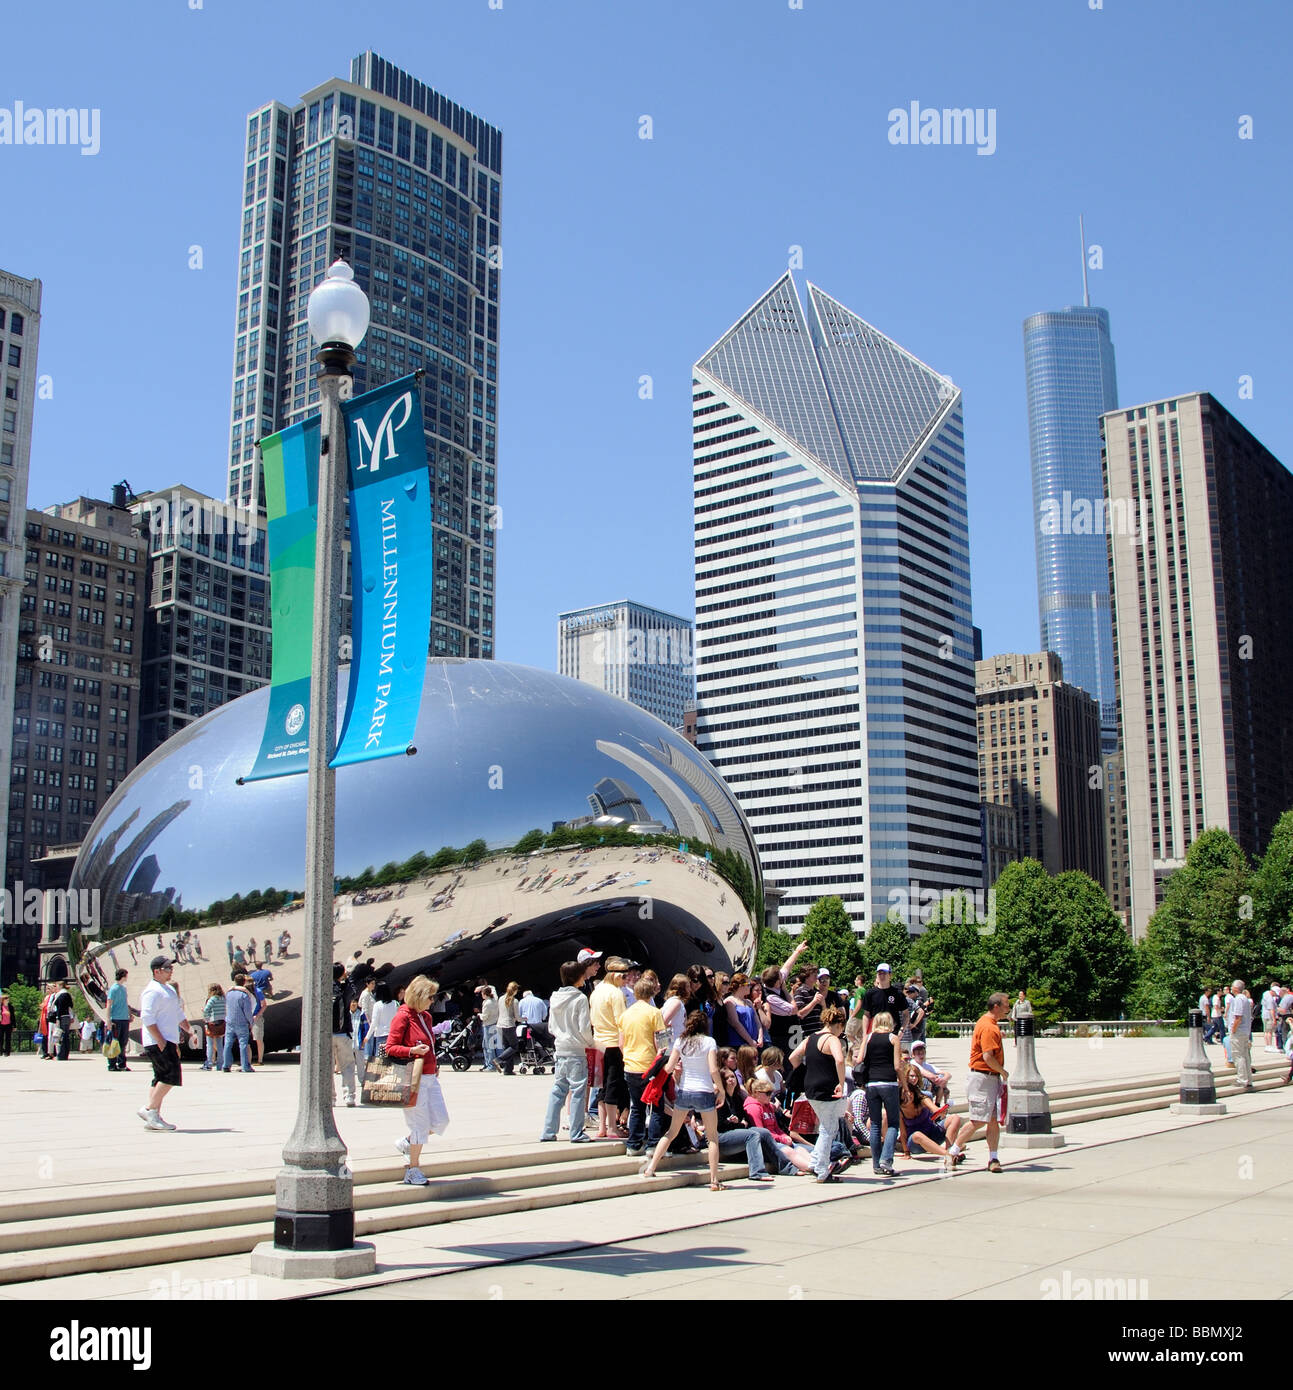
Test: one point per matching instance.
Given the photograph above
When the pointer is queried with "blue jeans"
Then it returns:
(214, 1049)
(829, 1113)
(883, 1095)
(570, 1075)
(243, 1040)
(489, 1044)
(759, 1149)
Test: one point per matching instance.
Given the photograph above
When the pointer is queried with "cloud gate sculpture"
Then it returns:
(501, 751)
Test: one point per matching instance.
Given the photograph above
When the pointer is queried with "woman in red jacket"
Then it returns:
(411, 1036)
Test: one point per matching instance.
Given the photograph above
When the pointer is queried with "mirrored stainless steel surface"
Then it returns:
(501, 750)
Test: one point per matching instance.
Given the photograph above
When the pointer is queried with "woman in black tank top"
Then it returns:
(822, 1057)
(881, 1056)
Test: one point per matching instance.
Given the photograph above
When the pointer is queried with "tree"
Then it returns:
(889, 942)
(1272, 890)
(956, 964)
(24, 1000)
(443, 858)
(529, 842)
(832, 942)
(1095, 966)
(775, 946)
(475, 852)
(1026, 946)
(1202, 934)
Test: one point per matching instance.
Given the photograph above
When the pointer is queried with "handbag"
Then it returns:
(657, 1082)
(388, 1082)
(112, 1049)
(803, 1118)
(216, 1027)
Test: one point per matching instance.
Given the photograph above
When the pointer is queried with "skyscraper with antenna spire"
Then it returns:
(1071, 382)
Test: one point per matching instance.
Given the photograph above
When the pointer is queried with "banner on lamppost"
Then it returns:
(390, 566)
(290, 467)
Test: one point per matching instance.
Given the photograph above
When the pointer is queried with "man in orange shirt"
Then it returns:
(983, 1090)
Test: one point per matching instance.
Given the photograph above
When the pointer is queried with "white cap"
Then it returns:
(586, 955)
(883, 966)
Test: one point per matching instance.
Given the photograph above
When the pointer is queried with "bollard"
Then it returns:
(1198, 1089)
(1028, 1118)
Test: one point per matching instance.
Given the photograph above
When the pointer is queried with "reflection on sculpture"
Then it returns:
(502, 751)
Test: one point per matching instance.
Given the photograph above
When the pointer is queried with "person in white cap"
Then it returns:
(884, 997)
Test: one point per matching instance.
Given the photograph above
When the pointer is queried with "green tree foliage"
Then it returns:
(24, 1000)
(957, 967)
(832, 942)
(1272, 890)
(774, 948)
(442, 859)
(1204, 932)
(529, 842)
(1093, 962)
(888, 942)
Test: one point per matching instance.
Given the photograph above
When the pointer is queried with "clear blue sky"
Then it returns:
(625, 257)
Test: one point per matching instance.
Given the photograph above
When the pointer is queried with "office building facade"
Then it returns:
(1039, 754)
(206, 638)
(76, 706)
(405, 185)
(835, 686)
(19, 342)
(1203, 629)
(1072, 381)
(627, 649)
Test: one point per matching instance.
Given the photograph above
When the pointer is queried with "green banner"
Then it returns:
(290, 465)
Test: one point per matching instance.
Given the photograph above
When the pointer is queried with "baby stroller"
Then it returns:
(461, 1041)
(536, 1054)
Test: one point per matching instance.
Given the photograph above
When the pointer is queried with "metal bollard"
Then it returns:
(1198, 1088)
(1028, 1118)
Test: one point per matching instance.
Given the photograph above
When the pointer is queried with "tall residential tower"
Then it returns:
(405, 185)
(1203, 625)
(19, 338)
(1072, 382)
(835, 680)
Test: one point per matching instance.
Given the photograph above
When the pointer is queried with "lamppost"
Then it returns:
(314, 1217)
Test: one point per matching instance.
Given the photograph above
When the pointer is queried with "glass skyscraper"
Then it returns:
(404, 184)
(1072, 382)
(834, 647)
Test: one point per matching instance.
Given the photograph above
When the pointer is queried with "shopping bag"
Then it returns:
(803, 1118)
(387, 1082)
(112, 1049)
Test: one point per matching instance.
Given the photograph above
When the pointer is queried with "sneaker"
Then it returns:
(415, 1177)
(581, 1139)
(151, 1119)
(634, 1153)
(547, 1139)
(994, 1165)
(163, 1124)
(402, 1144)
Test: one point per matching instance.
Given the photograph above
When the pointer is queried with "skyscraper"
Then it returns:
(1072, 382)
(638, 653)
(405, 184)
(19, 339)
(1203, 626)
(1039, 739)
(835, 681)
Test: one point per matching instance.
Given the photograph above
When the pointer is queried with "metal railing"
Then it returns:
(1069, 1027)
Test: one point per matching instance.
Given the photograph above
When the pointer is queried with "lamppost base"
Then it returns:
(274, 1262)
(1032, 1141)
(1215, 1108)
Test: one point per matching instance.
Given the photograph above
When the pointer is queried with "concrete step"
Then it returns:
(221, 1187)
(399, 1209)
(379, 1190)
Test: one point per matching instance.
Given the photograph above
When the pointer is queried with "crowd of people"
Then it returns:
(1228, 1018)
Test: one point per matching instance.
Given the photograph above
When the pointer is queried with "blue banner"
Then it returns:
(290, 467)
(390, 565)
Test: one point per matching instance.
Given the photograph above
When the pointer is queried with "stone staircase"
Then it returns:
(130, 1225)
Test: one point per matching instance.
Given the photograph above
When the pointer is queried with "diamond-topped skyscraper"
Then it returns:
(404, 184)
(834, 648)
(1072, 382)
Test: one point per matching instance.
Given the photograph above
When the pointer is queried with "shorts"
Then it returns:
(981, 1091)
(615, 1090)
(258, 1028)
(166, 1064)
(699, 1101)
(925, 1124)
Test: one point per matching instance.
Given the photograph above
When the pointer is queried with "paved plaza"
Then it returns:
(1116, 1202)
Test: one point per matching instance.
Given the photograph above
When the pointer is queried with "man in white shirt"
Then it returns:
(534, 1011)
(1239, 1022)
(162, 1023)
